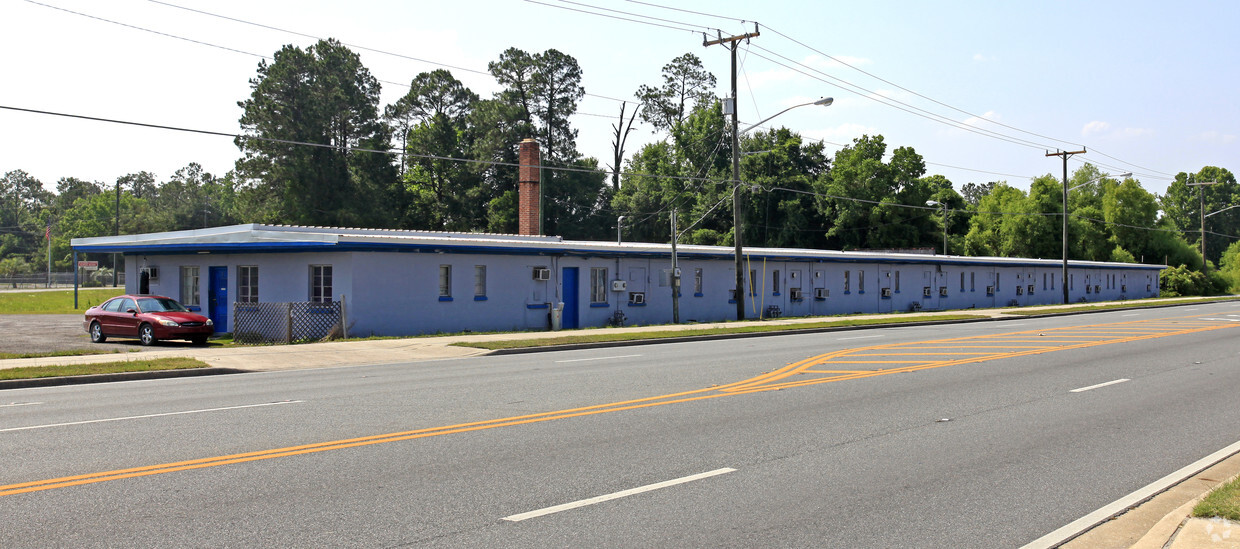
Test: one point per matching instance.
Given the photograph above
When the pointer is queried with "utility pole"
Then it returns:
(1065, 155)
(675, 278)
(732, 42)
(1201, 196)
(116, 231)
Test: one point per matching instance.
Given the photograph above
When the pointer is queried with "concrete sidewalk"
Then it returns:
(1160, 522)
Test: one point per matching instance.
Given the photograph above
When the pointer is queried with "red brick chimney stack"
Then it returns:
(527, 189)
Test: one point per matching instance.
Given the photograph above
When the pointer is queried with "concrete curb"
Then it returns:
(119, 376)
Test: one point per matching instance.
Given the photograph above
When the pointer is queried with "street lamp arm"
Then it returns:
(826, 101)
(1223, 210)
(1100, 178)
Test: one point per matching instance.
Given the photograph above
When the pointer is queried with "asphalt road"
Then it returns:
(889, 437)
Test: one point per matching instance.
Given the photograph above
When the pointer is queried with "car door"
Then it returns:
(126, 322)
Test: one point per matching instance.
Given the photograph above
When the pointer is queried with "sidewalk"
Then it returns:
(1160, 522)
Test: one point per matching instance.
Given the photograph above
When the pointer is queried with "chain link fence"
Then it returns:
(295, 322)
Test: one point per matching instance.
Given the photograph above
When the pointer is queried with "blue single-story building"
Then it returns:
(397, 282)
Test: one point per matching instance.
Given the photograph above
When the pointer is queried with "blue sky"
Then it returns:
(1146, 87)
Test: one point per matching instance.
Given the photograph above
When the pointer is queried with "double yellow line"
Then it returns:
(770, 381)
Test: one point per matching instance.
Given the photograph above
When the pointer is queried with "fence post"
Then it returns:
(288, 326)
(344, 318)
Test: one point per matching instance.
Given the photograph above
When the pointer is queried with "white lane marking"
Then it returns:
(1091, 387)
(1120, 505)
(148, 416)
(12, 404)
(598, 358)
(1224, 319)
(1007, 325)
(1133, 314)
(616, 495)
(1187, 310)
(858, 337)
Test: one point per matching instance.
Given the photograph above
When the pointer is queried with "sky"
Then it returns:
(982, 90)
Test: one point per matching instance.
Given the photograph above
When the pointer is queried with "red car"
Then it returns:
(147, 317)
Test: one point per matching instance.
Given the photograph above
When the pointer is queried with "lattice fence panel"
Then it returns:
(266, 323)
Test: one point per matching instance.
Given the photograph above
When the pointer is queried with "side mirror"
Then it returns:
(131, 311)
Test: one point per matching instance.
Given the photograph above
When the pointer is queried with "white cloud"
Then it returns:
(1094, 128)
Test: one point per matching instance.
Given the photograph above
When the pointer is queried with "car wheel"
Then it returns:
(96, 333)
(199, 341)
(146, 334)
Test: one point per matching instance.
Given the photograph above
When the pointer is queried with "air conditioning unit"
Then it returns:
(886, 292)
(152, 273)
(942, 291)
(1031, 289)
(821, 293)
(1097, 289)
(925, 292)
(990, 290)
(542, 273)
(794, 294)
(1088, 288)
(1123, 288)
(637, 298)
(1020, 290)
(619, 285)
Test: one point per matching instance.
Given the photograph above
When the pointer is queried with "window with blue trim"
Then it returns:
(320, 283)
(445, 283)
(480, 282)
(598, 285)
(697, 282)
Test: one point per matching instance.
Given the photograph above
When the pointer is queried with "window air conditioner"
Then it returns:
(637, 298)
(990, 290)
(1123, 288)
(942, 291)
(1020, 290)
(1031, 289)
(886, 292)
(542, 273)
(152, 273)
(619, 285)
(1097, 289)
(925, 292)
(794, 294)
(821, 293)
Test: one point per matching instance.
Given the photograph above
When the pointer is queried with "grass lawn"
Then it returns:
(72, 352)
(1115, 305)
(597, 338)
(31, 372)
(54, 302)
(1223, 502)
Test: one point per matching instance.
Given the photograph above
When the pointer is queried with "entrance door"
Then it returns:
(568, 277)
(217, 297)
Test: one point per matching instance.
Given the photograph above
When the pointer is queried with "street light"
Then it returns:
(737, 225)
(944, 205)
(1064, 281)
(1201, 195)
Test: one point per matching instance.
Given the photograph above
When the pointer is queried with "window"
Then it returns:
(847, 282)
(861, 282)
(972, 281)
(697, 281)
(897, 282)
(598, 285)
(753, 276)
(247, 284)
(320, 283)
(445, 281)
(189, 286)
(997, 277)
(775, 282)
(962, 281)
(480, 280)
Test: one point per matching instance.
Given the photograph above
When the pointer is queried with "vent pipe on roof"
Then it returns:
(528, 190)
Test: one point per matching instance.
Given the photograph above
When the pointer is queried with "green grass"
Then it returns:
(1223, 502)
(53, 302)
(1113, 305)
(71, 352)
(633, 336)
(32, 372)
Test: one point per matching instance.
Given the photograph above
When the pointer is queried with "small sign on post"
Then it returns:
(88, 265)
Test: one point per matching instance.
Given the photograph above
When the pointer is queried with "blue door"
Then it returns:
(570, 321)
(217, 298)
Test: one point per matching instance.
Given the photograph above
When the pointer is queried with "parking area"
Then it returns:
(50, 333)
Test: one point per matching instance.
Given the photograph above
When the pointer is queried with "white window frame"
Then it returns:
(598, 285)
(247, 283)
(321, 281)
(190, 282)
(480, 280)
(445, 280)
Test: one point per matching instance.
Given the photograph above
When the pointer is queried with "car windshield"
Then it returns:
(158, 305)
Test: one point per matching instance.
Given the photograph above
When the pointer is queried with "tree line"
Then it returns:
(318, 148)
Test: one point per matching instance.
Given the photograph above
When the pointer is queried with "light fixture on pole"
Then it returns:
(737, 224)
(944, 205)
(1064, 278)
(1201, 195)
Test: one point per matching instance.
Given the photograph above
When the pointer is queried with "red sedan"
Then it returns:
(147, 317)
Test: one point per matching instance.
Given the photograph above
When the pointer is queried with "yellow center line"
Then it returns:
(769, 381)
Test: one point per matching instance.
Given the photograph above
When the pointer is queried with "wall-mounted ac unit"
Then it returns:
(1020, 290)
(821, 293)
(942, 291)
(637, 298)
(152, 273)
(1031, 289)
(1088, 288)
(925, 292)
(1123, 288)
(990, 290)
(886, 292)
(542, 273)
(1097, 289)
(794, 294)
(619, 285)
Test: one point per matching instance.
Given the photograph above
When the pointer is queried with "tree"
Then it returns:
(782, 212)
(974, 192)
(1182, 207)
(323, 96)
(430, 94)
(861, 195)
(686, 85)
(546, 86)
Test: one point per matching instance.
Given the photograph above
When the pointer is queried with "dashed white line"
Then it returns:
(858, 337)
(1133, 314)
(1091, 387)
(12, 404)
(147, 416)
(597, 358)
(617, 495)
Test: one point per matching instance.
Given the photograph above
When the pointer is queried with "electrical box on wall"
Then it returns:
(619, 285)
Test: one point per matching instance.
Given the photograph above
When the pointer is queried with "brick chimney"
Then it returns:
(528, 214)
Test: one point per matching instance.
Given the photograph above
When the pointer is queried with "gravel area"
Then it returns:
(47, 333)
